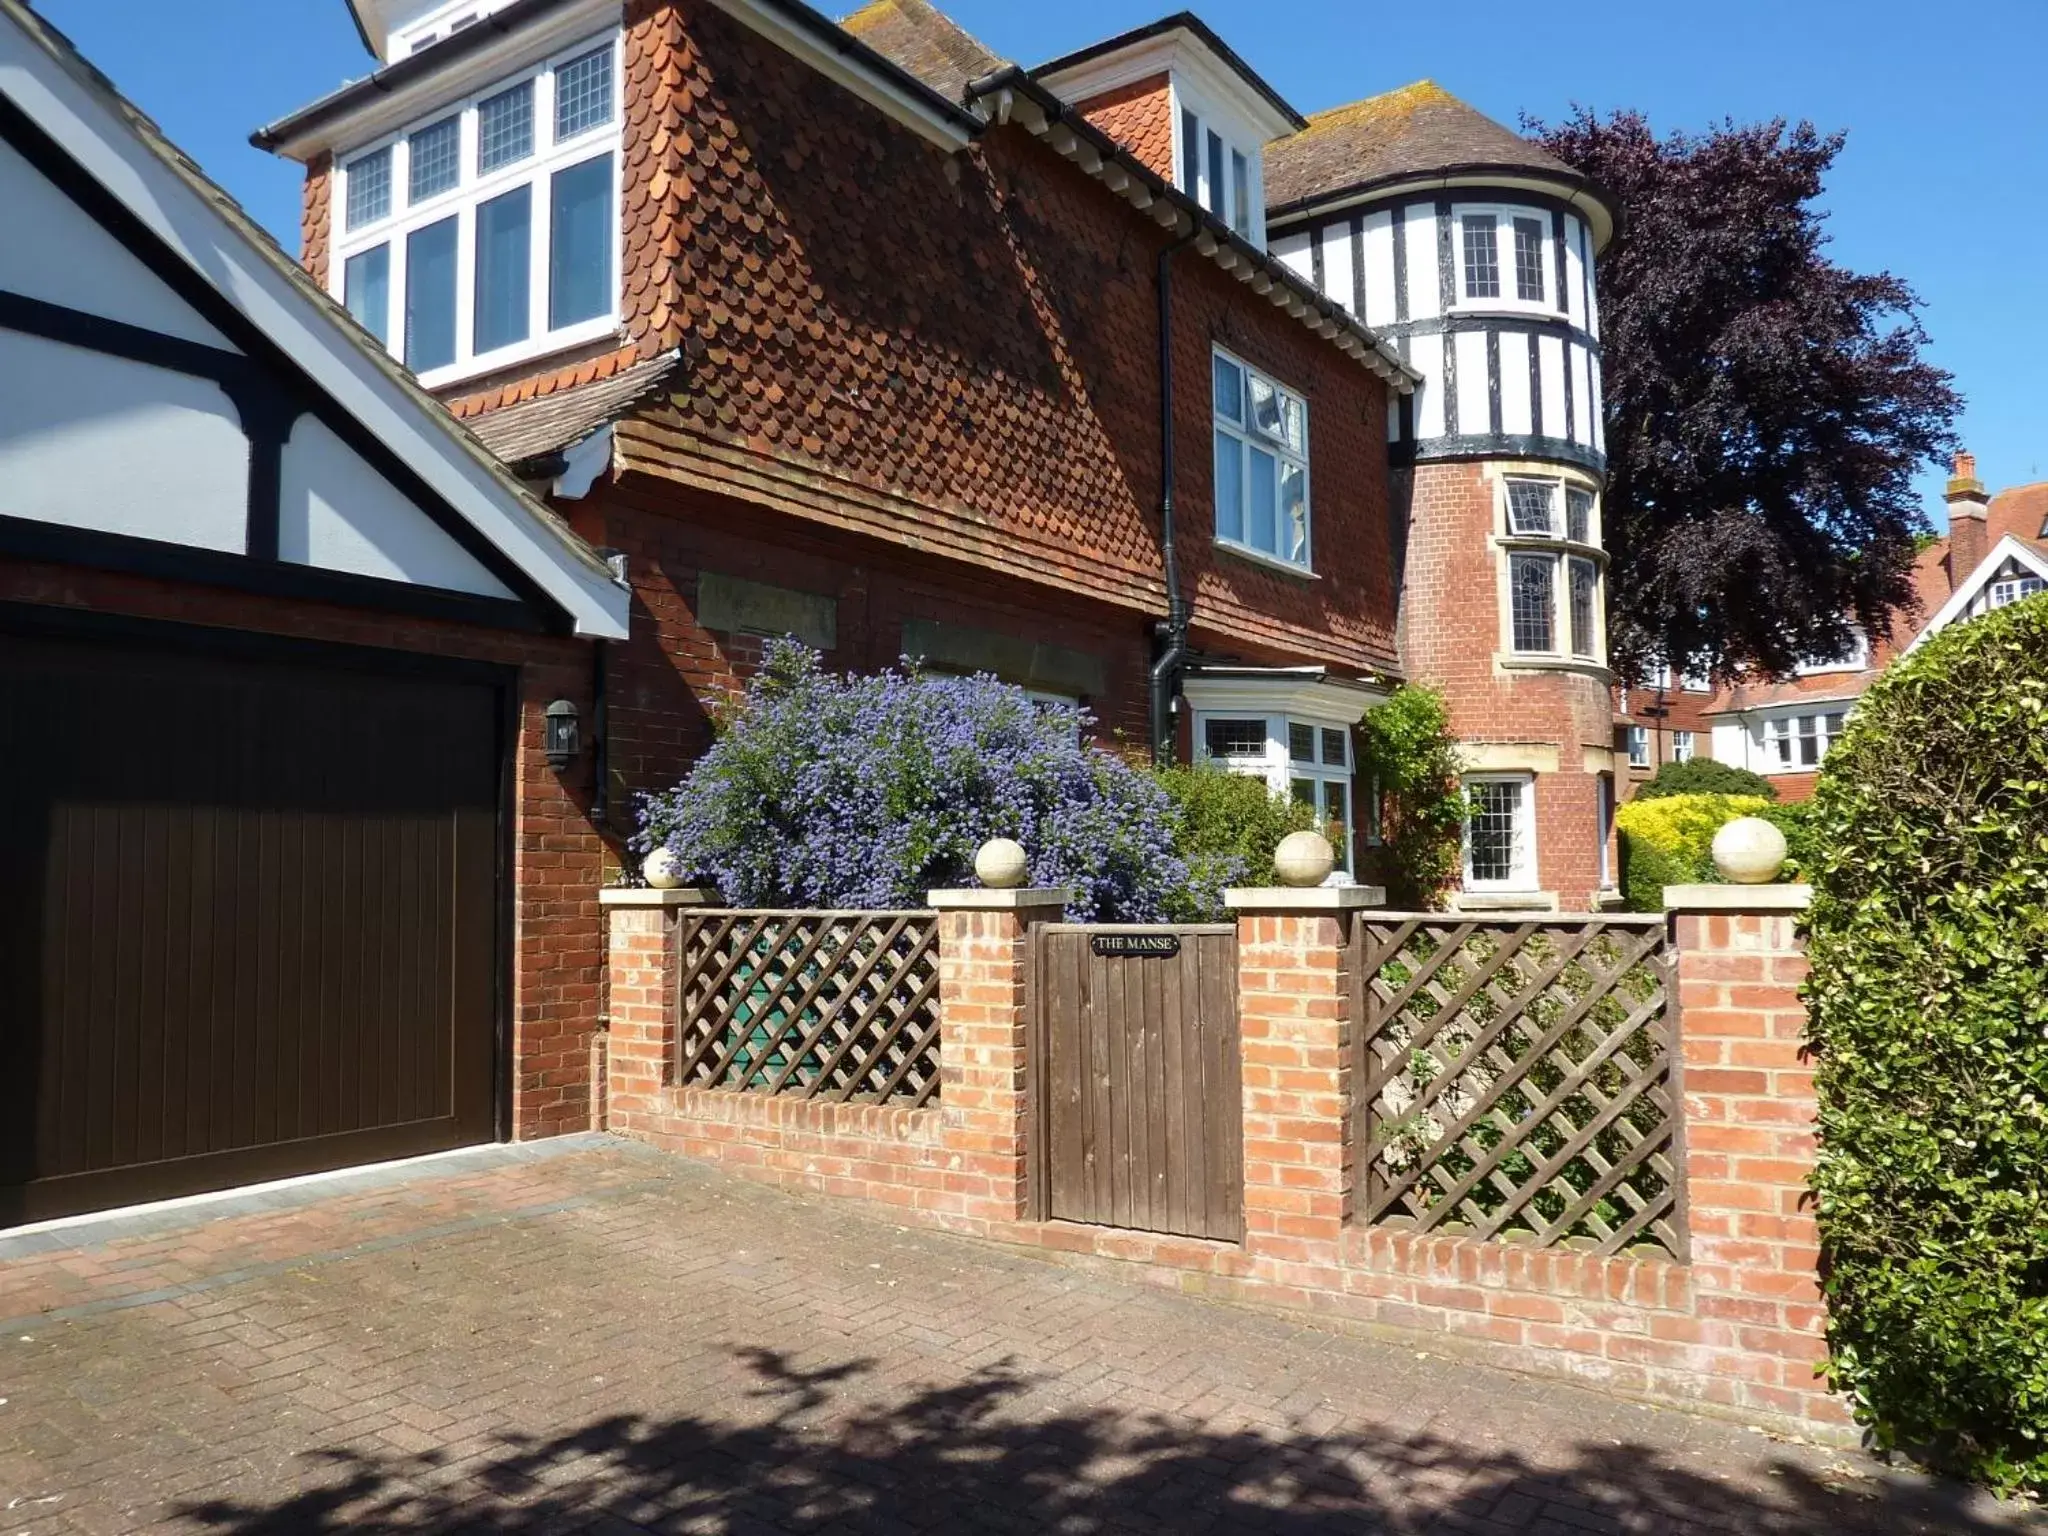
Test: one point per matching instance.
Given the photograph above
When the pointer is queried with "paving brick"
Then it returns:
(605, 1338)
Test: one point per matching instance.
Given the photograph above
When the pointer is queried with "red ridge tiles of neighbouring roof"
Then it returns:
(1417, 130)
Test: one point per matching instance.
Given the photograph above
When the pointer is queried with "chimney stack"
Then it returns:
(1969, 507)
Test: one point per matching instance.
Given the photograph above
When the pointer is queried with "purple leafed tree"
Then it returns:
(1767, 408)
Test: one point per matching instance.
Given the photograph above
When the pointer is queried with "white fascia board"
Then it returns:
(1588, 207)
(86, 125)
(512, 52)
(1182, 55)
(1973, 585)
(1318, 698)
(877, 89)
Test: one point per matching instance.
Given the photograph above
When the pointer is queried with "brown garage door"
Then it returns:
(249, 913)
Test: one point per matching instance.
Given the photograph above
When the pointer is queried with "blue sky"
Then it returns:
(1944, 181)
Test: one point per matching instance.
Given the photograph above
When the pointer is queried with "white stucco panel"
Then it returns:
(1425, 294)
(1517, 417)
(1426, 353)
(102, 443)
(1379, 268)
(54, 251)
(1475, 404)
(342, 515)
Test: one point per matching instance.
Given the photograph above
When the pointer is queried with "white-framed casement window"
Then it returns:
(1222, 176)
(1801, 741)
(1555, 574)
(487, 234)
(2012, 589)
(1639, 746)
(1500, 837)
(1262, 490)
(1681, 746)
(1309, 760)
(1505, 259)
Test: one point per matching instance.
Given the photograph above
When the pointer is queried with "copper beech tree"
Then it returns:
(1767, 408)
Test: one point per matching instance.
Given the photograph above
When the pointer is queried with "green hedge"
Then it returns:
(1929, 1000)
(1704, 776)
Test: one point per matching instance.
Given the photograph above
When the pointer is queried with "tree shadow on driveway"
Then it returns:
(802, 1455)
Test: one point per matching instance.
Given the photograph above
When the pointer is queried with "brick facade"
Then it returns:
(1736, 1325)
(1556, 723)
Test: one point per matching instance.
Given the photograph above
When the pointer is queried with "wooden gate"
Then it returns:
(1140, 1117)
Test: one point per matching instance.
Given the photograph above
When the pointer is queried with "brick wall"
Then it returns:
(1735, 1326)
(559, 859)
(1452, 637)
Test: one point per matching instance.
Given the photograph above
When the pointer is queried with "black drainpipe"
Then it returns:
(1171, 633)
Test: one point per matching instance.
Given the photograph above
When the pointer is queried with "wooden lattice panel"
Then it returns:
(840, 1006)
(1515, 1081)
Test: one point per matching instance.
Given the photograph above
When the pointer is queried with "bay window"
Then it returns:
(1261, 441)
(487, 235)
(1309, 760)
(1553, 570)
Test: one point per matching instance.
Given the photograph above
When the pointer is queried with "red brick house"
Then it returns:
(293, 874)
(1995, 552)
(879, 364)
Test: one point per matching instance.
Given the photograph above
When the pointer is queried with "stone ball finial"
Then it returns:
(1304, 859)
(1001, 864)
(662, 870)
(1749, 851)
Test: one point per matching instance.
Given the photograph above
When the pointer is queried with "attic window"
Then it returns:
(487, 235)
(1219, 175)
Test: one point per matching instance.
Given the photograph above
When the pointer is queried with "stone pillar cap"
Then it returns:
(1738, 898)
(976, 899)
(646, 896)
(1315, 898)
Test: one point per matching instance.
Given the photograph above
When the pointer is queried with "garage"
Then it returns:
(266, 945)
(298, 839)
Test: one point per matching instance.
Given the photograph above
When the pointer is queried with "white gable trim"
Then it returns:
(1972, 586)
(260, 282)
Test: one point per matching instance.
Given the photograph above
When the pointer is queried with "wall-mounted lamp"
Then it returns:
(561, 740)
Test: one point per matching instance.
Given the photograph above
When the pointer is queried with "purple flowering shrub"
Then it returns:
(868, 791)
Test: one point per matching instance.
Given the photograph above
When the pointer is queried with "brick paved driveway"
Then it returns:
(595, 1337)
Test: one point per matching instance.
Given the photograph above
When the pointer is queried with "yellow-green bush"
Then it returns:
(1670, 842)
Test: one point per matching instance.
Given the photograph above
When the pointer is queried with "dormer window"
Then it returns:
(503, 247)
(1216, 173)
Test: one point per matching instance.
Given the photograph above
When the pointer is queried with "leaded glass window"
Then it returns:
(1482, 257)
(1532, 581)
(1529, 260)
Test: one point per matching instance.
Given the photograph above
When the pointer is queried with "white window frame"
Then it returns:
(1504, 216)
(2008, 590)
(1789, 731)
(1683, 746)
(1250, 441)
(1605, 830)
(1857, 658)
(1639, 754)
(1277, 765)
(1191, 167)
(1560, 552)
(1521, 874)
(470, 193)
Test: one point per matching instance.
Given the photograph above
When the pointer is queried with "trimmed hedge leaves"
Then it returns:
(1929, 998)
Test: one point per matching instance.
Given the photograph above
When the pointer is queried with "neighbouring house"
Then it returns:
(296, 869)
(853, 331)
(1995, 552)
